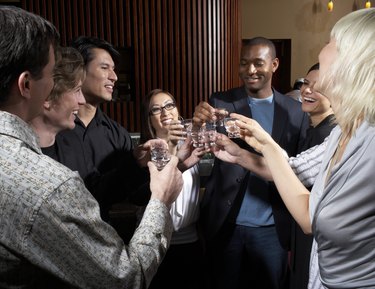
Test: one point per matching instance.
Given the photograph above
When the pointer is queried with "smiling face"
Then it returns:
(100, 77)
(313, 102)
(161, 121)
(256, 69)
(61, 112)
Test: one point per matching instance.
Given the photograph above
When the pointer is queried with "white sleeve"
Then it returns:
(184, 211)
(306, 165)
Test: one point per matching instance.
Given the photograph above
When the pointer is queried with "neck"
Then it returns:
(260, 94)
(318, 118)
(45, 131)
(86, 113)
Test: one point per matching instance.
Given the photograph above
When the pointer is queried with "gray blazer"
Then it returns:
(343, 213)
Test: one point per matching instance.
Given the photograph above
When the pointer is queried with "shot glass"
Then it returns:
(188, 125)
(220, 114)
(160, 156)
(209, 135)
(232, 129)
(197, 136)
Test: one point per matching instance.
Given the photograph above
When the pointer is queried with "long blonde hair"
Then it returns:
(350, 81)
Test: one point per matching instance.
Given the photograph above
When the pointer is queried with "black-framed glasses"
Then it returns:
(158, 109)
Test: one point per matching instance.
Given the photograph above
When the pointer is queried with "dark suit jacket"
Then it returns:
(227, 183)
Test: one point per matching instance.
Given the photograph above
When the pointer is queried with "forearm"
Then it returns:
(88, 252)
(291, 190)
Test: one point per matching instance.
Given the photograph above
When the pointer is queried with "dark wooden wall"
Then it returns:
(188, 47)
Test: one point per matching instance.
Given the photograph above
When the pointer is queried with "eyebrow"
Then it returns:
(164, 103)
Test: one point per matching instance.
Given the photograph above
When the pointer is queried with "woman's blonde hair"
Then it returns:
(350, 81)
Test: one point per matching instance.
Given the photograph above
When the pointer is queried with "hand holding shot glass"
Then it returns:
(220, 114)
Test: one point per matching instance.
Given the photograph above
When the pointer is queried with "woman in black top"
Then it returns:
(321, 115)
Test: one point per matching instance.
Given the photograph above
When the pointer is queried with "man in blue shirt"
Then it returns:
(244, 221)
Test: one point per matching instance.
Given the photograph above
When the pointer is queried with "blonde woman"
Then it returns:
(340, 210)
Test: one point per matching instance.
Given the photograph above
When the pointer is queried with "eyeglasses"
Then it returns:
(158, 109)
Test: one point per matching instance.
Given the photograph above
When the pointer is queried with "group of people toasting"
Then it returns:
(294, 169)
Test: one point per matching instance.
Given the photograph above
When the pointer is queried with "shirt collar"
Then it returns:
(268, 99)
(15, 127)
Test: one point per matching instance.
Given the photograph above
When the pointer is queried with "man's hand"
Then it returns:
(166, 184)
(142, 152)
(204, 113)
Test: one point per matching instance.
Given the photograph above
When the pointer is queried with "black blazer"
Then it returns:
(227, 183)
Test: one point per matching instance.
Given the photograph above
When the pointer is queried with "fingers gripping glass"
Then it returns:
(158, 109)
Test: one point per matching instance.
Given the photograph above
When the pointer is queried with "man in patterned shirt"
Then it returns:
(51, 233)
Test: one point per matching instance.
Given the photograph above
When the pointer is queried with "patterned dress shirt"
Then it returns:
(51, 233)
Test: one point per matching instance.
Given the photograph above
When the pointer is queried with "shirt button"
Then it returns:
(239, 180)
(229, 202)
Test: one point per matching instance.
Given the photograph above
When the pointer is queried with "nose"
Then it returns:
(163, 111)
(252, 68)
(112, 75)
(80, 98)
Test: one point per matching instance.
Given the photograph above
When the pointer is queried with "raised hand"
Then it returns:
(225, 149)
(166, 184)
(252, 132)
(188, 155)
(142, 152)
(204, 113)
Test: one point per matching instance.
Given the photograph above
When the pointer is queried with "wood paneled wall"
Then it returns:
(188, 47)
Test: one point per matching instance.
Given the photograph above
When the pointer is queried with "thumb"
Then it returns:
(152, 167)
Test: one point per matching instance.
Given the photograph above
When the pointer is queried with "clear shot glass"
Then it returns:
(160, 156)
(232, 129)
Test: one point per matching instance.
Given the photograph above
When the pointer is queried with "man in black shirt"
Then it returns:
(99, 148)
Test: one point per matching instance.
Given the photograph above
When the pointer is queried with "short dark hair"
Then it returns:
(298, 83)
(85, 45)
(25, 40)
(314, 67)
(260, 41)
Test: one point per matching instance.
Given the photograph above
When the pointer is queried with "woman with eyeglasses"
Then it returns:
(160, 119)
(321, 117)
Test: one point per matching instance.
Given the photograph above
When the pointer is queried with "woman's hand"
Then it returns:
(253, 133)
(225, 149)
(188, 155)
(176, 132)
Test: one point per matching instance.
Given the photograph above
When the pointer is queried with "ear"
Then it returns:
(275, 64)
(47, 104)
(24, 84)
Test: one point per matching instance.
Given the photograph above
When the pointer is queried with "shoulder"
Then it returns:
(34, 177)
(286, 101)
(230, 95)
